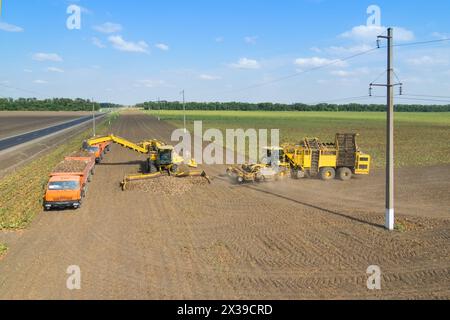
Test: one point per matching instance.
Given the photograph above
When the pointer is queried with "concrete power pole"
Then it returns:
(390, 216)
(93, 117)
(184, 111)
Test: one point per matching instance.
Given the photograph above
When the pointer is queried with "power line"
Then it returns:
(421, 42)
(426, 96)
(345, 99)
(301, 72)
(20, 89)
(423, 99)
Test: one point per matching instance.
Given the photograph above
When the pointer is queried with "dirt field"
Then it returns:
(16, 122)
(289, 240)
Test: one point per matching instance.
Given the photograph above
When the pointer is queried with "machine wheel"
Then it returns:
(240, 180)
(152, 167)
(344, 174)
(89, 179)
(294, 174)
(327, 173)
(260, 178)
(174, 168)
(83, 193)
(93, 172)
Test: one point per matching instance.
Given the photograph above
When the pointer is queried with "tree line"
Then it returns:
(63, 104)
(56, 104)
(242, 106)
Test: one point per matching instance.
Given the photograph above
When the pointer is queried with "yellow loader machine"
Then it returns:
(341, 159)
(162, 159)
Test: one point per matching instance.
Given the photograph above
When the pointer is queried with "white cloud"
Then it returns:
(47, 57)
(151, 83)
(27, 70)
(349, 50)
(342, 73)
(54, 69)
(316, 49)
(162, 46)
(315, 62)
(40, 81)
(10, 27)
(245, 63)
(98, 43)
(209, 77)
(427, 61)
(108, 27)
(120, 44)
(219, 39)
(440, 35)
(251, 39)
(370, 33)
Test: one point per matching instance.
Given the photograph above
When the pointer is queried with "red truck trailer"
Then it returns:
(67, 185)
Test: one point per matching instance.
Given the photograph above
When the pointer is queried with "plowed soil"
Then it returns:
(304, 239)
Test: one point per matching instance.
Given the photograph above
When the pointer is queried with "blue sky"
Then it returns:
(136, 50)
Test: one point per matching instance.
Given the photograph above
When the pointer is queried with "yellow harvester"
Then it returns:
(161, 159)
(311, 158)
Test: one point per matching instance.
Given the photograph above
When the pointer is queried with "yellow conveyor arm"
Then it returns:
(120, 141)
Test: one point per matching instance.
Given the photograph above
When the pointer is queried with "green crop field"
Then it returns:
(421, 139)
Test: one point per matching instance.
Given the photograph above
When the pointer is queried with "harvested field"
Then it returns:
(68, 166)
(17, 122)
(302, 239)
(167, 186)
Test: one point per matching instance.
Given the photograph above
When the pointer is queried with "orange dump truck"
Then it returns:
(68, 183)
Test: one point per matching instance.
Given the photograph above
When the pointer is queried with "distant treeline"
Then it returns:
(241, 106)
(33, 104)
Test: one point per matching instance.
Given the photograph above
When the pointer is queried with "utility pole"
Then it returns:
(184, 111)
(390, 216)
(93, 117)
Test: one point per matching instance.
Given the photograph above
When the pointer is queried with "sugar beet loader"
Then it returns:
(310, 158)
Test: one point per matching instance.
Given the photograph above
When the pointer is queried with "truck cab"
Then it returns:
(63, 192)
(95, 151)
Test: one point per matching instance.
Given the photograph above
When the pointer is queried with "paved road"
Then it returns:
(30, 136)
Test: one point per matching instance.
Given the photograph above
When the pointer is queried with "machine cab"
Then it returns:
(165, 156)
(273, 155)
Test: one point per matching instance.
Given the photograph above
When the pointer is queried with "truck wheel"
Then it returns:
(344, 174)
(93, 172)
(89, 179)
(327, 173)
